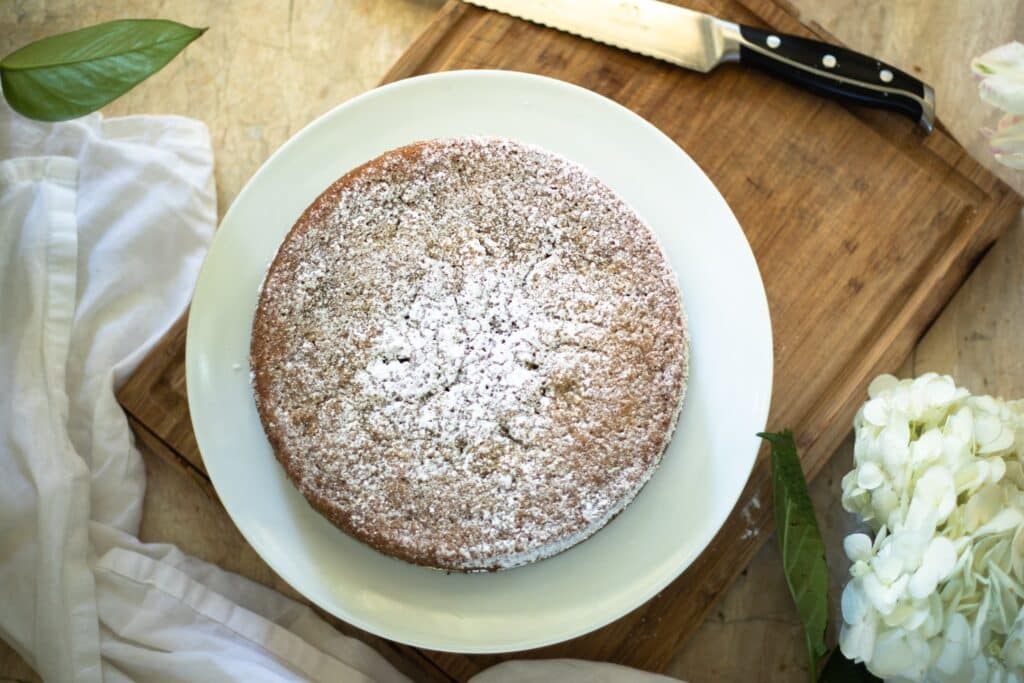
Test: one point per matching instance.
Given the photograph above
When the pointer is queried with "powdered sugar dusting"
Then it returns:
(469, 353)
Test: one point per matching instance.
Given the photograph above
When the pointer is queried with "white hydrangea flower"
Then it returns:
(1001, 74)
(938, 476)
(1001, 71)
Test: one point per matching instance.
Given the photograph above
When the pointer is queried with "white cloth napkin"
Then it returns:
(103, 226)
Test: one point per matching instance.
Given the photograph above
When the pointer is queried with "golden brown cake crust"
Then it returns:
(469, 354)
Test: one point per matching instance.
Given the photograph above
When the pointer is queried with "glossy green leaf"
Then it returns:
(803, 550)
(71, 74)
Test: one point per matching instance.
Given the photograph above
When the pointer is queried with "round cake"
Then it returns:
(469, 354)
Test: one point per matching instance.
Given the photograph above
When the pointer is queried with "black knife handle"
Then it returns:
(838, 73)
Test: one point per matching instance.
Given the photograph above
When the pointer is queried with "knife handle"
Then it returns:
(838, 73)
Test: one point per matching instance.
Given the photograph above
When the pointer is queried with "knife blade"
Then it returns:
(701, 42)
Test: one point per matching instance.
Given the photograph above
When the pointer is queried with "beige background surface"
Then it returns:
(265, 69)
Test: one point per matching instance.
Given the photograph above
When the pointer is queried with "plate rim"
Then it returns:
(655, 586)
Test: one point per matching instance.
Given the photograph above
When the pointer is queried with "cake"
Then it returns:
(469, 354)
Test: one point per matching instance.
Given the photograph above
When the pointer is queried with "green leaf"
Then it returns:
(803, 551)
(71, 74)
(839, 669)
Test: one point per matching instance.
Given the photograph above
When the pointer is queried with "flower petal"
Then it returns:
(903, 613)
(1005, 520)
(888, 567)
(854, 603)
(857, 547)
(971, 476)
(927, 448)
(1005, 92)
(859, 568)
(1013, 160)
(857, 641)
(1002, 74)
(881, 384)
(1008, 137)
(892, 655)
(909, 546)
(885, 502)
(934, 622)
(1003, 441)
(952, 658)
(882, 597)
(987, 429)
(870, 476)
(941, 556)
(876, 412)
(961, 424)
(933, 500)
(923, 582)
(941, 390)
(896, 433)
(997, 470)
(981, 507)
(1000, 60)
(1013, 648)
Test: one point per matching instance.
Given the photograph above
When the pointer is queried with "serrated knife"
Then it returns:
(701, 42)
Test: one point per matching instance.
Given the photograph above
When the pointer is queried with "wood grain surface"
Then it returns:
(978, 337)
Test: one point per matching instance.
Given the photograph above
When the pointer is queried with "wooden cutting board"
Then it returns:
(862, 227)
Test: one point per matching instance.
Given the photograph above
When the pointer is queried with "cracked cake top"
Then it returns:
(469, 353)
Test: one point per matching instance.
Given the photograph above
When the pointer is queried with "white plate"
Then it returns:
(677, 513)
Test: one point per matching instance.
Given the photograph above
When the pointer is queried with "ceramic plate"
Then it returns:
(676, 514)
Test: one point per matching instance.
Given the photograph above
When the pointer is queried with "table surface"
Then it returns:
(265, 69)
